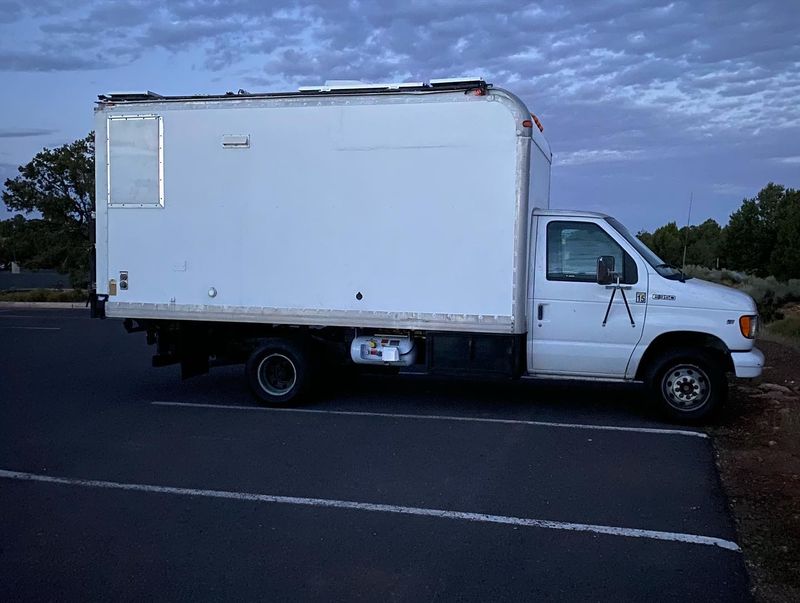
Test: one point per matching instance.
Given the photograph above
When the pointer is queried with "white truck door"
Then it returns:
(568, 335)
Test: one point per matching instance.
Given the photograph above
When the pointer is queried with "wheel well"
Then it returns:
(684, 339)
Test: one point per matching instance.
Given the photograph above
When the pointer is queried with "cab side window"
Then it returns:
(573, 249)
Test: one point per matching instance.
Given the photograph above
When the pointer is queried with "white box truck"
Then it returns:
(403, 226)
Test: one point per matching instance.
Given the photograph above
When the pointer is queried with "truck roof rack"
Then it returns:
(129, 96)
(457, 81)
(452, 83)
(334, 87)
(349, 86)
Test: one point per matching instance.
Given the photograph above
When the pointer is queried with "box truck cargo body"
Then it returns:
(391, 225)
(322, 209)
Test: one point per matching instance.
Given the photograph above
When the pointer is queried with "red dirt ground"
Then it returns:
(757, 439)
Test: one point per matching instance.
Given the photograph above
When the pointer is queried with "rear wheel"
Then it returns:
(689, 385)
(278, 372)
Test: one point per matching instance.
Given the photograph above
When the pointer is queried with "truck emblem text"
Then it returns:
(663, 297)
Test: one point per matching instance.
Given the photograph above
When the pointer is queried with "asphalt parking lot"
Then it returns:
(120, 481)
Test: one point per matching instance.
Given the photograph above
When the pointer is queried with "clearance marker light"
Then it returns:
(537, 122)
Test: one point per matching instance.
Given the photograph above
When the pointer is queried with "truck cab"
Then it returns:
(630, 316)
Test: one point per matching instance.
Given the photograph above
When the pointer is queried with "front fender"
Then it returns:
(688, 326)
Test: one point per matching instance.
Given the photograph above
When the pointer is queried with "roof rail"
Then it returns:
(334, 87)
(457, 82)
(129, 96)
(453, 83)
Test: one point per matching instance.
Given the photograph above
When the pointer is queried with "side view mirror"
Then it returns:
(605, 269)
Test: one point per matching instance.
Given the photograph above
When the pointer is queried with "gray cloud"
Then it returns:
(712, 64)
(10, 11)
(789, 160)
(107, 16)
(23, 133)
(727, 189)
(623, 81)
(178, 36)
(587, 46)
(47, 60)
(595, 155)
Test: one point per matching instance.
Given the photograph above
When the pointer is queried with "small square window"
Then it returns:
(135, 157)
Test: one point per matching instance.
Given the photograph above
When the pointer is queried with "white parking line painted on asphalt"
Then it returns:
(34, 328)
(353, 413)
(380, 508)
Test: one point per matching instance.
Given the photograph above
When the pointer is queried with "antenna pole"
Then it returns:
(688, 221)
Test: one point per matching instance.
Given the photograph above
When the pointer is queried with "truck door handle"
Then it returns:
(540, 312)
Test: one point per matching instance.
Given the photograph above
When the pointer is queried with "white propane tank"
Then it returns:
(395, 350)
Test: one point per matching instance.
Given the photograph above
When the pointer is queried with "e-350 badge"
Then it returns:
(662, 297)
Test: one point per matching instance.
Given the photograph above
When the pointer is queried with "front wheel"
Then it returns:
(689, 385)
(277, 372)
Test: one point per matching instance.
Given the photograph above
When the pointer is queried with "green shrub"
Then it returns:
(786, 327)
(769, 293)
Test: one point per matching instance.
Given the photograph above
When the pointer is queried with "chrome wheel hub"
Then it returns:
(686, 387)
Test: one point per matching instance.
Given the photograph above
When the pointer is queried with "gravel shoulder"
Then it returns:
(757, 442)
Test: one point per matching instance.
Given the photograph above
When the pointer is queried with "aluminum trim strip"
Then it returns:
(339, 318)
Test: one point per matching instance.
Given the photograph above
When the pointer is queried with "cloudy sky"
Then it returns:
(644, 103)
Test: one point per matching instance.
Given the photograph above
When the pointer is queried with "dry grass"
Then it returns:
(44, 295)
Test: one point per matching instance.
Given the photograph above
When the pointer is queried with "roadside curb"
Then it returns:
(44, 305)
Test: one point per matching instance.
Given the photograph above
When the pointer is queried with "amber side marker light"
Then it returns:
(537, 122)
(748, 325)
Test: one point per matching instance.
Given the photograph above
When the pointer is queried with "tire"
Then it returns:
(278, 372)
(688, 384)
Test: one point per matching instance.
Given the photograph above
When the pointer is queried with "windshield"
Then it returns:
(664, 269)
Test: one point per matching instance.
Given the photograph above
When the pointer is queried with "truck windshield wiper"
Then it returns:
(674, 267)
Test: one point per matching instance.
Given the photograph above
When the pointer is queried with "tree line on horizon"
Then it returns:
(55, 196)
(762, 237)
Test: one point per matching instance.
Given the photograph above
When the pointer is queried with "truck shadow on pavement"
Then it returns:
(607, 403)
